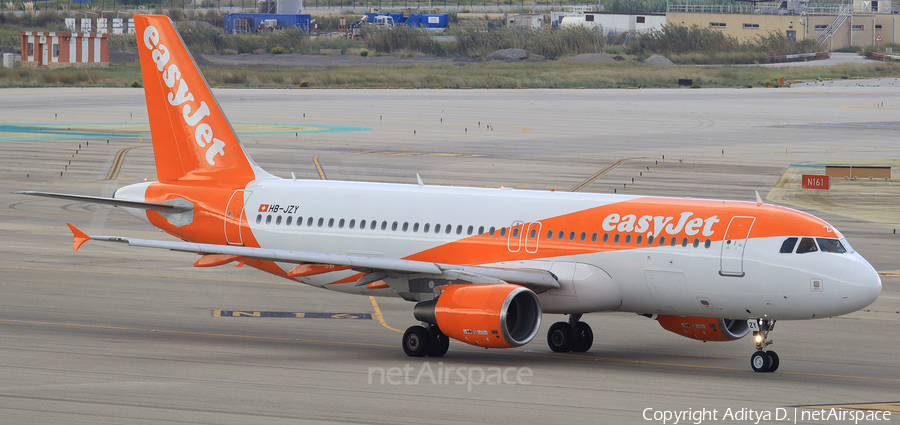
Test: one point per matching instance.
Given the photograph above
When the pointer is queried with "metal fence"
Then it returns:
(251, 5)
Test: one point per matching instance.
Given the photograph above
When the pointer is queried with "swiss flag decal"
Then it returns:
(263, 207)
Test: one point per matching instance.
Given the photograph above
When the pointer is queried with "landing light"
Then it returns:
(759, 338)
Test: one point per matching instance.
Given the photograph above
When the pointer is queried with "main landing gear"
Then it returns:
(763, 360)
(573, 335)
(428, 340)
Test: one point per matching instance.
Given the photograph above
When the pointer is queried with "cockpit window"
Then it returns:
(847, 245)
(831, 245)
(807, 245)
(788, 246)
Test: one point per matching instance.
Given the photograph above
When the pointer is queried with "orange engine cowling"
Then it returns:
(494, 316)
(705, 328)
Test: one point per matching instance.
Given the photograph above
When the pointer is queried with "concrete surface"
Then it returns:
(118, 335)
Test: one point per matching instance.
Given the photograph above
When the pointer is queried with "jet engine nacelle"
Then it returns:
(494, 316)
(705, 328)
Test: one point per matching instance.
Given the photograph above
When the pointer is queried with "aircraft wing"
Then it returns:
(317, 262)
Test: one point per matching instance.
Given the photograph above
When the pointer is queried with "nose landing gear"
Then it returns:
(573, 335)
(763, 360)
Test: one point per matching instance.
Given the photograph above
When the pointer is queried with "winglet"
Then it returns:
(759, 201)
(80, 237)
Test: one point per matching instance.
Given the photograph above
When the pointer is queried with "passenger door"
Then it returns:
(732, 257)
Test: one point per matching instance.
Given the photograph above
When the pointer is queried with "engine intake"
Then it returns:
(705, 328)
(494, 316)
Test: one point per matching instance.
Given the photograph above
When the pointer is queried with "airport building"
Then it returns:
(64, 49)
(861, 23)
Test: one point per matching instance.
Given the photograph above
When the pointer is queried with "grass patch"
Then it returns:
(699, 45)
(550, 74)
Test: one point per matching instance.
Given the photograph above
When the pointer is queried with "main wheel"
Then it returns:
(584, 338)
(416, 341)
(774, 366)
(440, 343)
(559, 337)
(760, 361)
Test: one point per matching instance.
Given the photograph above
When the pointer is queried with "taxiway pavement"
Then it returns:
(123, 335)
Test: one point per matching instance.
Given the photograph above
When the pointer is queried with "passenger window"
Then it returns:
(616, 238)
(674, 241)
(278, 220)
(321, 221)
(470, 230)
(352, 223)
(627, 239)
(787, 246)
(533, 234)
(650, 239)
(831, 245)
(605, 237)
(684, 242)
(502, 232)
(560, 235)
(309, 222)
(258, 218)
(549, 235)
(515, 232)
(269, 219)
(373, 224)
(594, 237)
(707, 244)
(807, 245)
(383, 225)
(426, 227)
(662, 240)
(696, 242)
(583, 236)
(405, 226)
(437, 228)
(459, 229)
(300, 221)
(491, 231)
(480, 230)
(571, 236)
(330, 222)
(288, 221)
(362, 224)
(415, 227)
(341, 224)
(448, 228)
(639, 239)
(394, 226)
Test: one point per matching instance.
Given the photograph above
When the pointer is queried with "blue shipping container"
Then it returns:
(254, 22)
(428, 20)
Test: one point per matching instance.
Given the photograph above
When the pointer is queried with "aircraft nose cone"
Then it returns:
(860, 285)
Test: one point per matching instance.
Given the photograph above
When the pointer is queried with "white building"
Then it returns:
(614, 23)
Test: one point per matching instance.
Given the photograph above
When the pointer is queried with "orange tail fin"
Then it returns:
(192, 139)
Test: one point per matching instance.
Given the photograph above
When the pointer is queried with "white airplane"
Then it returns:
(482, 265)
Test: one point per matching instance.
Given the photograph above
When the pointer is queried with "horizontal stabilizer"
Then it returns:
(109, 201)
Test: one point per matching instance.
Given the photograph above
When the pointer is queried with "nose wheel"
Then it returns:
(573, 335)
(763, 360)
